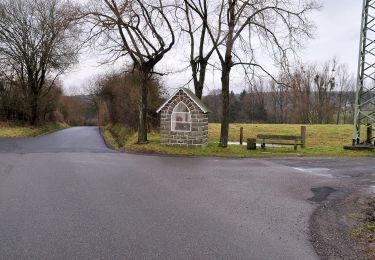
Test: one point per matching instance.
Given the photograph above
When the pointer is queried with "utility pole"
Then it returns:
(364, 114)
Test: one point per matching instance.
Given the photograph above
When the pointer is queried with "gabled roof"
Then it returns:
(192, 96)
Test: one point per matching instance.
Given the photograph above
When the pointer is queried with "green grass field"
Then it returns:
(322, 140)
(317, 135)
(27, 131)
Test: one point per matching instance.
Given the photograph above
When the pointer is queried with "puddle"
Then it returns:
(323, 172)
(321, 194)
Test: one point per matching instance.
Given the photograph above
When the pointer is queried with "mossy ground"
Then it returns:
(364, 231)
(28, 131)
(322, 140)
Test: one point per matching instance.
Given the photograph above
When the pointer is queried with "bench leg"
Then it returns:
(263, 146)
(295, 147)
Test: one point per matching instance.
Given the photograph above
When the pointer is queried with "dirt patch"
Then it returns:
(341, 227)
(364, 231)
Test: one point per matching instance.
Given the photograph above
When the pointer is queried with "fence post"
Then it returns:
(303, 135)
(241, 135)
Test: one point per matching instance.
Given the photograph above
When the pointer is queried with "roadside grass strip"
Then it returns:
(28, 131)
(364, 231)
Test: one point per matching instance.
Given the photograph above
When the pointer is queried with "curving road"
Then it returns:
(66, 196)
(71, 140)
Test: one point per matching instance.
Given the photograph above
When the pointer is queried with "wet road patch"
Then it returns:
(321, 194)
(323, 172)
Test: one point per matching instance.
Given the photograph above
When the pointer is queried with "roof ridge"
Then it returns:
(191, 95)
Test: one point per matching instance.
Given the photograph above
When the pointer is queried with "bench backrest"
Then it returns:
(279, 137)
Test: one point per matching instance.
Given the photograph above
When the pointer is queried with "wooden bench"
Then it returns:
(281, 140)
(284, 139)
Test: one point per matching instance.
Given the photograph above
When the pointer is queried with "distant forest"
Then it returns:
(246, 107)
(311, 94)
(284, 107)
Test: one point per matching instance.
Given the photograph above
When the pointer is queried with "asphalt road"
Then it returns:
(72, 140)
(67, 196)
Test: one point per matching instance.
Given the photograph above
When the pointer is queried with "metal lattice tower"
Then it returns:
(364, 114)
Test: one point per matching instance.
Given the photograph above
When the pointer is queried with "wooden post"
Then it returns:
(263, 145)
(241, 135)
(303, 135)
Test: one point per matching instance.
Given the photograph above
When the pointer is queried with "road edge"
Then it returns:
(331, 226)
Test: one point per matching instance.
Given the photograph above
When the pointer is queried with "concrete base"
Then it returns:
(359, 147)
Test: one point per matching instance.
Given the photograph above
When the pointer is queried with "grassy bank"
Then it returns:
(362, 220)
(28, 131)
(322, 140)
(117, 136)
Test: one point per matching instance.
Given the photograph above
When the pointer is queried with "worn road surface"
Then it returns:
(66, 196)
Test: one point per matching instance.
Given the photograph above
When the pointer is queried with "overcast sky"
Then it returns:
(337, 35)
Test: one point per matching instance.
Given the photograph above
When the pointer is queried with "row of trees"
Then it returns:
(117, 101)
(38, 41)
(315, 95)
(15, 104)
(37, 44)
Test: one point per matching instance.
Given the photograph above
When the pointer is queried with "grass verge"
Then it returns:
(322, 140)
(116, 136)
(28, 131)
(364, 231)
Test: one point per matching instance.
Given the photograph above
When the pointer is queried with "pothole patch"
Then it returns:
(321, 194)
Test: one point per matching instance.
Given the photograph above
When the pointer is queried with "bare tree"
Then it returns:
(318, 93)
(279, 101)
(37, 44)
(300, 87)
(344, 82)
(278, 27)
(138, 29)
(201, 50)
(325, 83)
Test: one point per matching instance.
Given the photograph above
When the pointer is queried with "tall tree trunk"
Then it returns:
(142, 128)
(339, 108)
(194, 69)
(199, 76)
(34, 109)
(338, 115)
(225, 109)
(225, 75)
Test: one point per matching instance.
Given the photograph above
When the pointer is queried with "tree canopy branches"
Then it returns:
(242, 31)
(141, 30)
(37, 44)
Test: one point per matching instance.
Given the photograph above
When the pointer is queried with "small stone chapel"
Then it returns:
(184, 120)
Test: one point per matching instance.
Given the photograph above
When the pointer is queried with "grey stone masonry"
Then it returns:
(198, 134)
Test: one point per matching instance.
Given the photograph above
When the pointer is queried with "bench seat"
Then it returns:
(278, 140)
(275, 143)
